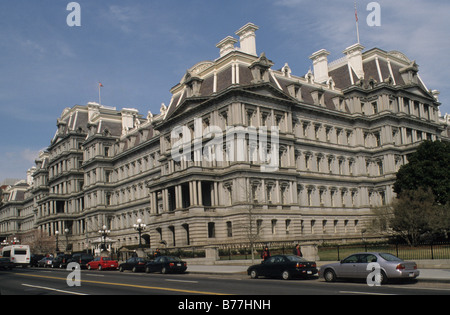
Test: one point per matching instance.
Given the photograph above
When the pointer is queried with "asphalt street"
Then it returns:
(34, 281)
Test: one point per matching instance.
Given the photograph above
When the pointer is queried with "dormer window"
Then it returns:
(193, 85)
(260, 69)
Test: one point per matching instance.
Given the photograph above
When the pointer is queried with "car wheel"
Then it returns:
(121, 269)
(164, 270)
(286, 275)
(100, 267)
(384, 278)
(147, 269)
(329, 275)
(254, 274)
(89, 267)
(134, 269)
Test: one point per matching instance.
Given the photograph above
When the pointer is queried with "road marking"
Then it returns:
(92, 275)
(185, 281)
(127, 285)
(368, 293)
(51, 289)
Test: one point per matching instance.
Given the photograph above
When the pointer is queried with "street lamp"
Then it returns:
(56, 234)
(104, 232)
(139, 227)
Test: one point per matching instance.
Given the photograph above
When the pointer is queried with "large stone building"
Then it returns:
(242, 152)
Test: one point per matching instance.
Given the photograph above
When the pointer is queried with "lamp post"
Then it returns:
(139, 227)
(56, 235)
(104, 232)
(66, 233)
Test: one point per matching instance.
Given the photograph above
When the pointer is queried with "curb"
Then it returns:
(419, 280)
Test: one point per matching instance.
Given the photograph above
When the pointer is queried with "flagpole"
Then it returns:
(357, 26)
(99, 94)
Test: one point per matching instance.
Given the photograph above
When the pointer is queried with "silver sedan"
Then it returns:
(356, 265)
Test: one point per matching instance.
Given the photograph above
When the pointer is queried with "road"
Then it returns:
(34, 281)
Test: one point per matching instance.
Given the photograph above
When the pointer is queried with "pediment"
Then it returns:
(182, 104)
(268, 90)
(419, 91)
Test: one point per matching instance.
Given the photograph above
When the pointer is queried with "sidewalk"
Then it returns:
(431, 275)
(437, 275)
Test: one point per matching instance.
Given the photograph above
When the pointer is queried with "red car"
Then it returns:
(101, 263)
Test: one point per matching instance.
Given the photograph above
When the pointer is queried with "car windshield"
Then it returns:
(173, 259)
(296, 259)
(389, 257)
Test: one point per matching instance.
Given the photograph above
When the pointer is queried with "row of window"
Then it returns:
(274, 227)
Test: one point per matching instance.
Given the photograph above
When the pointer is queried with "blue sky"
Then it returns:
(140, 49)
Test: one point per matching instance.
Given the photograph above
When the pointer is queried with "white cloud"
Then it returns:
(32, 46)
(123, 17)
(15, 161)
(29, 155)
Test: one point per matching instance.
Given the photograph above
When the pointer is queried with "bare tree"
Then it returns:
(250, 226)
(39, 241)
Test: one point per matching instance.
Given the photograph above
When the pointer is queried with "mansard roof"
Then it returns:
(235, 68)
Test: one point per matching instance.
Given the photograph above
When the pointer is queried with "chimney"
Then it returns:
(354, 58)
(320, 63)
(247, 38)
(128, 118)
(226, 45)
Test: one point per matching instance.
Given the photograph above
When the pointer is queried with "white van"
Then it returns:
(17, 254)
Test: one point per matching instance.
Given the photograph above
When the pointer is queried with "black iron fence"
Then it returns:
(244, 252)
(406, 252)
(333, 252)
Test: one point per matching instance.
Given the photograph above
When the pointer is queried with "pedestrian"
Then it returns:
(156, 254)
(298, 251)
(265, 254)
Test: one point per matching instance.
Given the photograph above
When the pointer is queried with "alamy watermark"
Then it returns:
(374, 17)
(374, 278)
(74, 277)
(236, 144)
(74, 17)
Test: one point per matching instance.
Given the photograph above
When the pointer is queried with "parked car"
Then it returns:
(102, 263)
(60, 261)
(355, 266)
(6, 264)
(284, 266)
(134, 264)
(45, 262)
(166, 264)
(34, 260)
(81, 259)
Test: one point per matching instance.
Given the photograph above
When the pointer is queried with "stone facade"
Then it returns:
(242, 153)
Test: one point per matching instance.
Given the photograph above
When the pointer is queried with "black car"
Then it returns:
(81, 259)
(34, 260)
(166, 264)
(6, 264)
(134, 263)
(60, 261)
(45, 262)
(284, 266)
